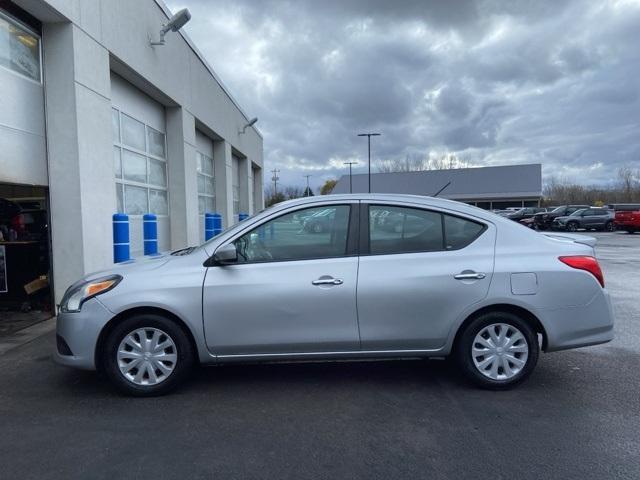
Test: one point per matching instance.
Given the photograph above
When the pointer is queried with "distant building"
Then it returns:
(484, 187)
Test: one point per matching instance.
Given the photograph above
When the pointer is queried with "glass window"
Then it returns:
(117, 164)
(206, 186)
(19, 49)
(140, 171)
(158, 200)
(119, 202)
(132, 133)
(460, 232)
(136, 202)
(115, 125)
(404, 230)
(311, 233)
(156, 142)
(134, 166)
(157, 173)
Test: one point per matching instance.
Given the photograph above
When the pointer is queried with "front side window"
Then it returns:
(19, 49)
(140, 165)
(395, 230)
(312, 233)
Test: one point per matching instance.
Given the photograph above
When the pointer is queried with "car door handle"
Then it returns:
(327, 281)
(469, 276)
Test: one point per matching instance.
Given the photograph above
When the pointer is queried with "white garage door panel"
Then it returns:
(22, 158)
(135, 103)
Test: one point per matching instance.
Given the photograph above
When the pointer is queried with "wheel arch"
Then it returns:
(521, 312)
(111, 324)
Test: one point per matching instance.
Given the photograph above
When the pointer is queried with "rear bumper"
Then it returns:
(574, 327)
(79, 332)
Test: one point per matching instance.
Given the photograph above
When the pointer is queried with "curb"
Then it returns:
(26, 335)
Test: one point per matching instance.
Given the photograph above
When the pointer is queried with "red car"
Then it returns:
(628, 217)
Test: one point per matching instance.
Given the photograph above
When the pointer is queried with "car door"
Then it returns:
(292, 290)
(414, 282)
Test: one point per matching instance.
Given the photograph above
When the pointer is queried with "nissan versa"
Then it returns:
(447, 279)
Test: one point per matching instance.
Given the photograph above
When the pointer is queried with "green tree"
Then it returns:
(328, 187)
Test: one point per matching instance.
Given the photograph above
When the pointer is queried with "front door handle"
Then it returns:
(325, 280)
(466, 275)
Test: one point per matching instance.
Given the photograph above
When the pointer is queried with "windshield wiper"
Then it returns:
(183, 251)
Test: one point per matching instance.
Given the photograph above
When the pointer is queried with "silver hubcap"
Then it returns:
(500, 351)
(147, 356)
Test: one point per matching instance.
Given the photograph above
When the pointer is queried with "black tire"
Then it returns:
(465, 341)
(572, 227)
(184, 356)
(609, 227)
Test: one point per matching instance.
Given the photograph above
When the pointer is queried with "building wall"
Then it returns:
(97, 55)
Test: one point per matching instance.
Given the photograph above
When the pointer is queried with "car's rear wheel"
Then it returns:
(497, 350)
(147, 355)
(572, 226)
(609, 227)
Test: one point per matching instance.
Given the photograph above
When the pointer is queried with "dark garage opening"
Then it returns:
(25, 259)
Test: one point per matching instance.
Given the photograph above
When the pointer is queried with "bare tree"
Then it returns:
(414, 163)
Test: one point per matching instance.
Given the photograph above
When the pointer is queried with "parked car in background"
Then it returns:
(22, 224)
(627, 217)
(454, 281)
(544, 220)
(586, 219)
(526, 212)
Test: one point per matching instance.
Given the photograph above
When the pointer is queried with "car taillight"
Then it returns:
(586, 263)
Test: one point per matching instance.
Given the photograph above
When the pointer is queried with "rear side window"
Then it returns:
(395, 230)
(460, 232)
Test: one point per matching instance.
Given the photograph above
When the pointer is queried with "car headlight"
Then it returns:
(76, 296)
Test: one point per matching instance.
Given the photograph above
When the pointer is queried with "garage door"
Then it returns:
(140, 161)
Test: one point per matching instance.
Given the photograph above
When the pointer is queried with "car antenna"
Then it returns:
(440, 191)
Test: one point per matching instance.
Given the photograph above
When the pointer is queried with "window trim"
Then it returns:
(351, 243)
(365, 237)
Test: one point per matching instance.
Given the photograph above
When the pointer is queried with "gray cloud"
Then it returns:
(495, 82)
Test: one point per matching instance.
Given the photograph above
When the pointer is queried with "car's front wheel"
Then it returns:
(572, 226)
(497, 350)
(147, 355)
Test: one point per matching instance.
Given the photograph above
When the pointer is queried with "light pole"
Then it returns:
(306, 192)
(275, 179)
(369, 135)
(350, 184)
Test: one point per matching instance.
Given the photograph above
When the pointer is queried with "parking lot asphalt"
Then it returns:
(578, 416)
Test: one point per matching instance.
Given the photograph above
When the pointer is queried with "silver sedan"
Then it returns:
(435, 278)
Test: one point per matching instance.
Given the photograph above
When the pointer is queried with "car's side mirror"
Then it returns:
(224, 255)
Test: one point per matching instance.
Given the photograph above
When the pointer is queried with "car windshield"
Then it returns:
(578, 212)
(558, 210)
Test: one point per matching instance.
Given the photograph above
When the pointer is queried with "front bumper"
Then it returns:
(80, 331)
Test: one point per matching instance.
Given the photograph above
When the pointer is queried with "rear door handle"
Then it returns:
(327, 281)
(469, 276)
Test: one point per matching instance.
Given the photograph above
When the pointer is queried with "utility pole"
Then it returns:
(275, 179)
(350, 184)
(306, 192)
(369, 135)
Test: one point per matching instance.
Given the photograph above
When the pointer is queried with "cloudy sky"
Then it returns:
(495, 82)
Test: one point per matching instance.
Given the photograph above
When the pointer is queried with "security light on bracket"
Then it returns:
(251, 123)
(179, 19)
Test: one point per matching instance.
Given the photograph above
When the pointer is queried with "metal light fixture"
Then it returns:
(179, 19)
(251, 123)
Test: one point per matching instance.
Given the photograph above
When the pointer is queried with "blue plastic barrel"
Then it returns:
(120, 238)
(150, 234)
(208, 226)
(217, 224)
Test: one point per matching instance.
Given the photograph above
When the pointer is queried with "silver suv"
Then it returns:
(443, 278)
